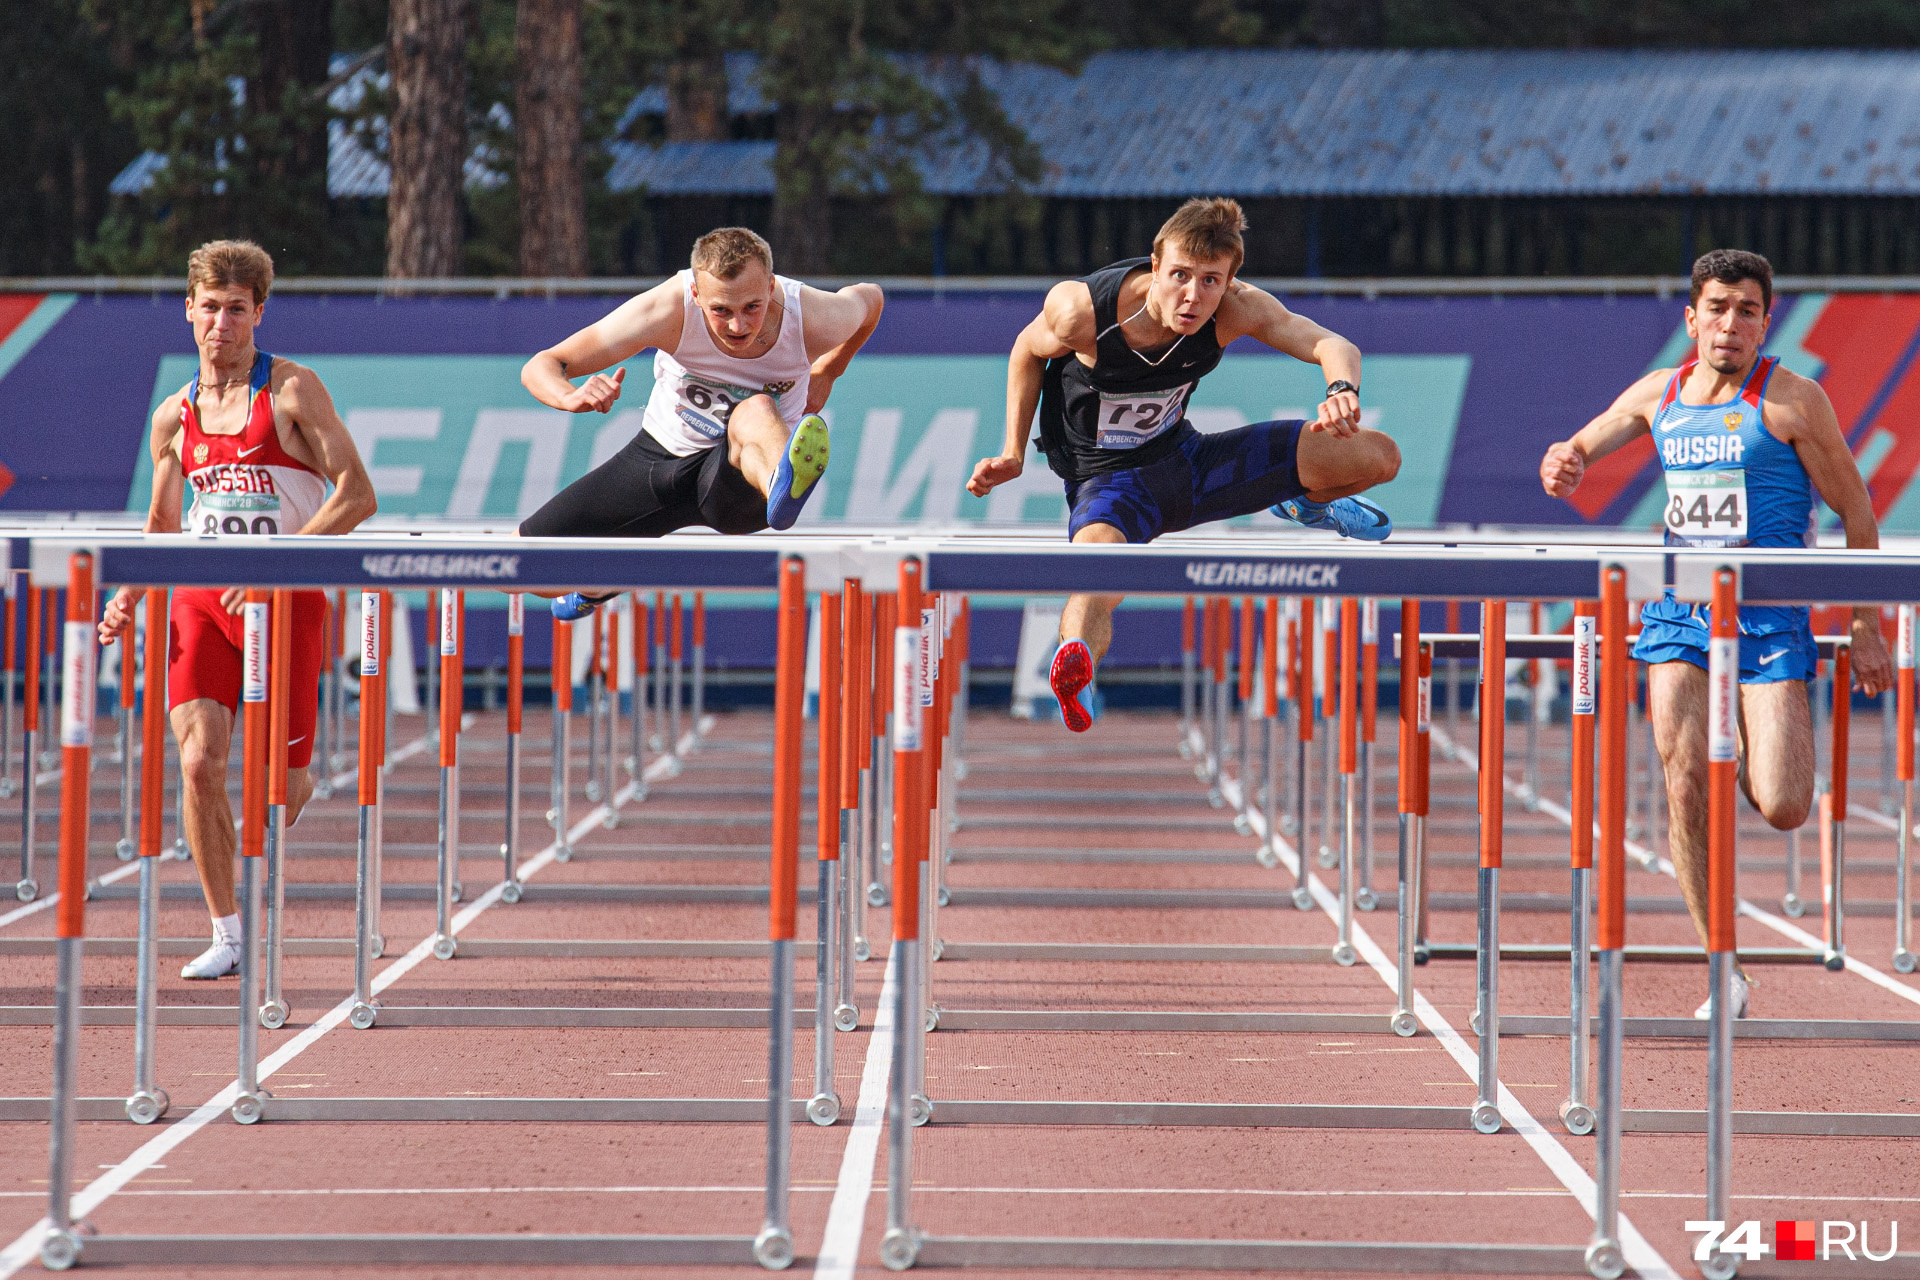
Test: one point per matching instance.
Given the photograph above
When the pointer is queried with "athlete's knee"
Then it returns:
(1784, 809)
(200, 768)
(1382, 455)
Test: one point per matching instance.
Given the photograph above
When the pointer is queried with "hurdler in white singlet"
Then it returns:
(695, 388)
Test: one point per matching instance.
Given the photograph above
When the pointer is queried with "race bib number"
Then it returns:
(1707, 505)
(1129, 421)
(706, 406)
(232, 515)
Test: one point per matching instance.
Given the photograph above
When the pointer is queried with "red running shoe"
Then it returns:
(1072, 672)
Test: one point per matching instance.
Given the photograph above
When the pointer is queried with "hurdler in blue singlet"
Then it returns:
(1730, 483)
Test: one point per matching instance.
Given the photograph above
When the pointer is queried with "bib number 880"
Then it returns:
(214, 524)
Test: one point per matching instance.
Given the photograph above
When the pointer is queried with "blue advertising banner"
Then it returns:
(1473, 388)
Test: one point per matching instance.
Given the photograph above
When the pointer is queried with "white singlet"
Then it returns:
(696, 387)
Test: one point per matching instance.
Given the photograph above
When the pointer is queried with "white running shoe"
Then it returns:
(217, 961)
(1738, 983)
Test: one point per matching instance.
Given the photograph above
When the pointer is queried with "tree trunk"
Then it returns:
(296, 44)
(697, 96)
(802, 237)
(426, 135)
(546, 123)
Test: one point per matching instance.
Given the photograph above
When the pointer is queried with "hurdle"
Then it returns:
(264, 693)
(148, 1102)
(1603, 1256)
(27, 888)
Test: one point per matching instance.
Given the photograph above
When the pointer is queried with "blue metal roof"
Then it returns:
(1393, 123)
(693, 168)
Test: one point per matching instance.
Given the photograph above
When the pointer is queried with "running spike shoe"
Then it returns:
(1349, 517)
(576, 605)
(217, 961)
(1072, 671)
(801, 467)
(1741, 996)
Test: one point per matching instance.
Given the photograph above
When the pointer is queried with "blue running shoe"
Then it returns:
(1349, 517)
(576, 605)
(801, 467)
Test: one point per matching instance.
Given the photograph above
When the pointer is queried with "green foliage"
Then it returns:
(87, 85)
(231, 166)
(63, 144)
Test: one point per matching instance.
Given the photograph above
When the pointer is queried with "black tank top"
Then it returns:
(1130, 408)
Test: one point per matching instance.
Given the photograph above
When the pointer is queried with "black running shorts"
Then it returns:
(645, 492)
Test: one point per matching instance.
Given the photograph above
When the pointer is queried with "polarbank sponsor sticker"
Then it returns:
(1248, 573)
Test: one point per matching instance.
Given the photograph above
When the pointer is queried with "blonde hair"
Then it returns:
(1207, 229)
(725, 252)
(222, 264)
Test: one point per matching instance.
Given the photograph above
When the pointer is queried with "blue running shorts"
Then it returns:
(1776, 643)
(1212, 476)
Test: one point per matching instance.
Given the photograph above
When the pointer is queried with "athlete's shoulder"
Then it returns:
(1068, 313)
(168, 425)
(1245, 307)
(1650, 388)
(1794, 404)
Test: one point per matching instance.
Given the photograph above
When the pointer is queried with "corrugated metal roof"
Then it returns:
(1437, 122)
(693, 168)
(1478, 123)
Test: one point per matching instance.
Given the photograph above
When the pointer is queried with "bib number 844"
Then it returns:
(1707, 503)
(1701, 516)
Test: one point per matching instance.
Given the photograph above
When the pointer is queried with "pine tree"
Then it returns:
(233, 98)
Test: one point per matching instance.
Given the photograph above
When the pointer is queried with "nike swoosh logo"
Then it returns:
(1774, 656)
(257, 448)
(294, 742)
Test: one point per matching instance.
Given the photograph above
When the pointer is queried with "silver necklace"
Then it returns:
(1151, 364)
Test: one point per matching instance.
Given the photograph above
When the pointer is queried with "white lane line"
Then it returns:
(847, 1217)
(1640, 1254)
(27, 1245)
(338, 781)
(1651, 861)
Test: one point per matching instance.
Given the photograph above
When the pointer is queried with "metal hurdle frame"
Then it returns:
(265, 703)
(1602, 1256)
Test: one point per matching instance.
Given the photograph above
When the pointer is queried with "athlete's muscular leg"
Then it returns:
(1334, 468)
(1679, 709)
(756, 437)
(1778, 725)
(1089, 619)
(204, 730)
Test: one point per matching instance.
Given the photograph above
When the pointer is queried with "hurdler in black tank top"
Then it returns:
(1137, 407)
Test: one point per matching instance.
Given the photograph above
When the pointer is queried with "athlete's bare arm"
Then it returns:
(837, 326)
(1629, 416)
(1063, 327)
(163, 511)
(651, 319)
(1797, 410)
(311, 431)
(1251, 312)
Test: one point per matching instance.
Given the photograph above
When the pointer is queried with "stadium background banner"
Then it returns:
(1472, 387)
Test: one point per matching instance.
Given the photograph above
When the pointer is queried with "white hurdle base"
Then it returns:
(1251, 1255)
(278, 1252)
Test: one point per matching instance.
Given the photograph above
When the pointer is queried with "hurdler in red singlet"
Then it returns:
(245, 485)
(257, 441)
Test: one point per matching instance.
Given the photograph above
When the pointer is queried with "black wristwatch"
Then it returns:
(1335, 388)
